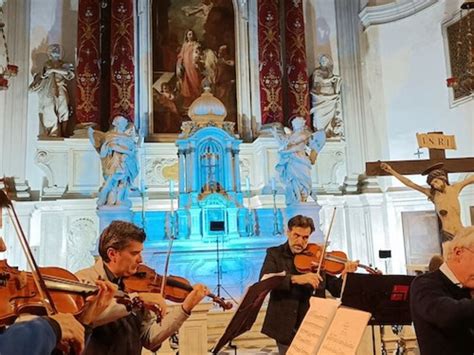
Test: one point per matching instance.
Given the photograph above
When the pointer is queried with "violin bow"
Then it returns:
(326, 240)
(37, 277)
(170, 246)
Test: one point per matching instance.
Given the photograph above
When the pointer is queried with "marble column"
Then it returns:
(350, 68)
(14, 101)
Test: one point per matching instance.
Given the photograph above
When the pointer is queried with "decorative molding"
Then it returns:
(376, 15)
(154, 170)
(52, 164)
(81, 239)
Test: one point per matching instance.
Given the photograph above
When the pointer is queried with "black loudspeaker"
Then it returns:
(385, 254)
(217, 226)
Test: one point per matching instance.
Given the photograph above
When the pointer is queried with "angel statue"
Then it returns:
(117, 151)
(298, 151)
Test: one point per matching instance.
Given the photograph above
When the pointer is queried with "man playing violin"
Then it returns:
(289, 302)
(125, 331)
(441, 303)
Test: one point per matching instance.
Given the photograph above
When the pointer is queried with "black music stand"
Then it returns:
(218, 229)
(247, 312)
(386, 297)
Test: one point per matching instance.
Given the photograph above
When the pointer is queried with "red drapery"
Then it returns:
(297, 100)
(122, 71)
(120, 91)
(88, 62)
(269, 42)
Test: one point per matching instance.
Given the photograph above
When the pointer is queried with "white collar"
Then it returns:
(444, 268)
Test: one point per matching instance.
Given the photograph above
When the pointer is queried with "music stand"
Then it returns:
(386, 297)
(219, 226)
(247, 312)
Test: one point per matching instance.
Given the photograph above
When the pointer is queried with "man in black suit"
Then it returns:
(289, 302)
(441, 304)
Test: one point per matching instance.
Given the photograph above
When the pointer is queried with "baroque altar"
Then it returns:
(209, 173)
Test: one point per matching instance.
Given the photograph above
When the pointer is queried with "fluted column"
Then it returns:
(14, 101)
(348, 30)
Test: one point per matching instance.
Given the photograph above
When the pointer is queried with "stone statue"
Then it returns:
(326, 99)
(298, 151)
(117, 150)
(51, 85)
(444, 196)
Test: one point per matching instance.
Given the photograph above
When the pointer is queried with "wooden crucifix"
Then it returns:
(444, 196)
(436, 156)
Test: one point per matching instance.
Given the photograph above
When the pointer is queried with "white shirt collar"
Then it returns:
(444, 268)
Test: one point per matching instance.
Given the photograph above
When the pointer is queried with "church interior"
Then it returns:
(211, 123)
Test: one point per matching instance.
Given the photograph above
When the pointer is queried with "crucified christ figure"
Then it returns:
(444, 196)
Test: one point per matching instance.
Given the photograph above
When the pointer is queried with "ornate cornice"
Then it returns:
(376, 15)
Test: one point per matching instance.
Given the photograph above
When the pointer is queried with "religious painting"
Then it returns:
(461, 51)
(193, 47)
(421, 235)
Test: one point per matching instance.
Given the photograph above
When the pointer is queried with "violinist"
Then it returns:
(441, 303)
(126, 331)
(41, 335)
(289, 302)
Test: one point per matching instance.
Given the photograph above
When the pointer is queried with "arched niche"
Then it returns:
(247, 92)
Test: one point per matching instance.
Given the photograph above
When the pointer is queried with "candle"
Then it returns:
(247, 183)
(171, 187)
(273, 184)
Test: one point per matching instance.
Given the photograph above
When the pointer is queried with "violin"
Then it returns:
(176, 288)
(333, 262)
(19, 294)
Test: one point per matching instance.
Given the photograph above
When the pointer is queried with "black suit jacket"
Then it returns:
(443, 315)
(289, 302)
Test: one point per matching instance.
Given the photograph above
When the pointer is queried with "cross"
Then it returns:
(418, 153)
(414, 167)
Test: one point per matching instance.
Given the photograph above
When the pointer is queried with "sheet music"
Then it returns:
(314, 326)
(345, 333)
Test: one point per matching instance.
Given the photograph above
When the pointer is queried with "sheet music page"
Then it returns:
(345, 333)
(314, 326)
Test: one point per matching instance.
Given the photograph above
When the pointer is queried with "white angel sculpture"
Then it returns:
(298, 151)
(117, 150)
(51, 85)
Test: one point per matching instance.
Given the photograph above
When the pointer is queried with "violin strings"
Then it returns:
(70, 282)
